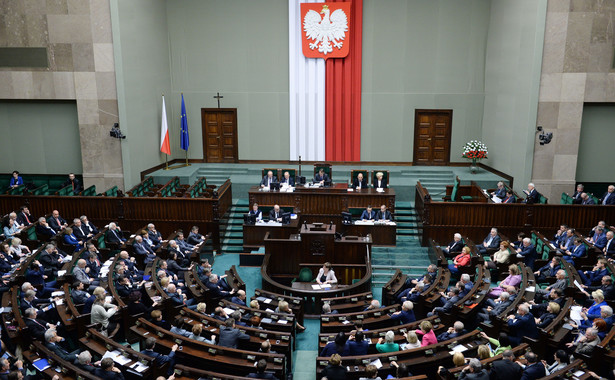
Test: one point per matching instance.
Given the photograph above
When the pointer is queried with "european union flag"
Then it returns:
(184, 142)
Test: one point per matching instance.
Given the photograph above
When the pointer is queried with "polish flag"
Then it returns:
(165, 146)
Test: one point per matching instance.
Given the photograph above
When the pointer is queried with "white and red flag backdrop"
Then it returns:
(325, 79)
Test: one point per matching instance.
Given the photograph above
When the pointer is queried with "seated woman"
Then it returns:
(10, 228)
(426, 331)
(338, 346)
(16, 180)
(285, 309)
(501, 344)
(601, 327)
(500, 257)
(589, 314)
(483, 352)
(512, 281)
(461, 260)
(197, 329)
(71, 239)
(380, 182)
(412, 339)
(562, 359)
(548, 317)
(388, 343)
(17, 249)
(326, 275)
(102, 313)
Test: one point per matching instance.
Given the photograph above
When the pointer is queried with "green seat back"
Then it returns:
(291, 172)
(385, 176)
(326, 168)
(31, 234)
(356, 211)
(305, 275)
(42, 190)
(534, 238)
(543, 200)
(564, 199)
(17, 190)
(355, 173)
(274, 171)
(454, 192)
(112, 192)
(101, 241)
(89, 192)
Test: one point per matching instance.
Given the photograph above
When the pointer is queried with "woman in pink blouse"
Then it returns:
(512, 281)
(426, 331)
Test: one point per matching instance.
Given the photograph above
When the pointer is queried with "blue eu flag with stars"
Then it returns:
(185, 139)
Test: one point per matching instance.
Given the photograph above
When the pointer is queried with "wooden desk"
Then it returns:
(254, 234)
(326, 200)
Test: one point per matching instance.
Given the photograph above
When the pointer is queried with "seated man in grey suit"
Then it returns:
(268, 179)
(229, 335)
(287, 180)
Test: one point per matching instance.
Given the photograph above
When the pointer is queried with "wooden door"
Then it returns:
(432, 137)
(219, 134)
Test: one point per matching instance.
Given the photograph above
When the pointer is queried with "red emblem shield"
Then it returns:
(325, 29)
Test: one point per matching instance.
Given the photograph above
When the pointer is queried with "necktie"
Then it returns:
(35, 321)
(359, 187)
(73, 183)
(81, 231)
(58, 221)
(27, 219)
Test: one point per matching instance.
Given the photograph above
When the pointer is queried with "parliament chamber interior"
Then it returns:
(287, 189)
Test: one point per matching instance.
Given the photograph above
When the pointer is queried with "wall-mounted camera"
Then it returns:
(544, 138)
(116, 132)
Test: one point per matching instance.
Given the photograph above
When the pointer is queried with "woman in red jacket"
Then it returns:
(461, 260)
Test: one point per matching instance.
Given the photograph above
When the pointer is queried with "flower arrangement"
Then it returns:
(475, 150)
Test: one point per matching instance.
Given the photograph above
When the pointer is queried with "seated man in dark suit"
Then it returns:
(384, 214)
(74, 182)
(142, 250)
(455, 246)
(43, 230)
(114, 234)
(260, 373)
(380, 182)
(491, 242)
(88, 227)
(359, 182)
(520, 325)
(56, 221)
(608, 198)
(194, 237)
(214, 288)
(322, 178)
(510, 197)
(449, 301)
(609, 248)
(108, 370)
(587, 200)
(534, 368)
(576, 197)
(36, 326)
(230, 336)
(160, 359)
(154, 236)
(80, 232)
(527, 252)
(500, 192)
(368, 214)
(594, 276)
(598, 239)
(533, 196)
(24, 218)
(287, 180)
(275, 214)
(506, 368)
(240, 298)
(268, 179)
(578, 250)
(52, 341)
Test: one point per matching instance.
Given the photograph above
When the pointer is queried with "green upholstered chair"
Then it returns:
(89, 192)
(305, 275)
(543, 200)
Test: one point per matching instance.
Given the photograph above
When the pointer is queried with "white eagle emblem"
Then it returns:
(328, 32)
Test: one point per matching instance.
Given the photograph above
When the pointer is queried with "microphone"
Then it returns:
(331, 225)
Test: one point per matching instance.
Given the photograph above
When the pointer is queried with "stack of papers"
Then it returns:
(458, 348)
(228, 310)
(139, 367)
(323, 286)
(117, 357)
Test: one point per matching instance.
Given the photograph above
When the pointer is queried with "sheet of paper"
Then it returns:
(345, 322)
(267, 300)
(496, 199)
(377, 363)
(58, 293)
(460, 348)
(530, 289)
(575, 314)
(282, 321)
(61, 273)
(121, 360)
(325, 286)
(228, 310)
(315, 286)
(578, 373)
(576, 283)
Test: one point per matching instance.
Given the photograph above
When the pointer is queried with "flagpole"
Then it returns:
(181, 136)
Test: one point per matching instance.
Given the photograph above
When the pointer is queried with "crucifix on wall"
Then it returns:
(218, 96)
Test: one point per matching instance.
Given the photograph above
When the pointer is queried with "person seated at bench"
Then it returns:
(275, 214)
(606, 286)
(326, 275)
(510, 197)
(384, 214)
(154, 236)
(258, 214)
(230, 336)
(52, 342)
(84, 362)
(197, 330)
(609, 197)
(405, 315)
(585, 344)
(56, 221)
(458, 329)
(214, 288)
(143, 250)
(80, 272)
(322, 178)
(560, 236)
(359, 182)
(16, 180)
(183, 244)
(411, 294)
(261, 367)
(240, 298)
(521, 324)
(74, 183)
(387, 344)
(497, 307)
(23, 217)
(357, 343)
(533, 196)
(548, 317)
(500, 192)
(194, 237)
(501, 257)
(513, 280)
(339, 346)
(71, 239)
(373, 305)
(594, 276)
(449, 300)
(10, 228)
(587, 200)
(561, 282)
(426, 331)
(527, 252)
(598, 239)
(549, 270)
(567, 243)
(43, 228)
(368, 214)
(462, 260)
(287, 180)
(178, 327)
(268, 180)
(36, 326)
(454, 246)
(108, 370)
(335, 370)
(114, 234)
(160, 359)
(474, 370)
(492, 241)
(380, 182)
(326, 309)
(102, 312)
(79, 232)
(577, 251)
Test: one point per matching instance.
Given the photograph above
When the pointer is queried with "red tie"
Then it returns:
(58, 221)
(27, 219)
(73, 186)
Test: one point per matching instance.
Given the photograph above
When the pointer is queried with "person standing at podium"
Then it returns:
(275, 214)
(359, 182)
(268, 179)
(322, 177)
(258, 214)
(326, 275)
(368, 214)
(384, 214)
